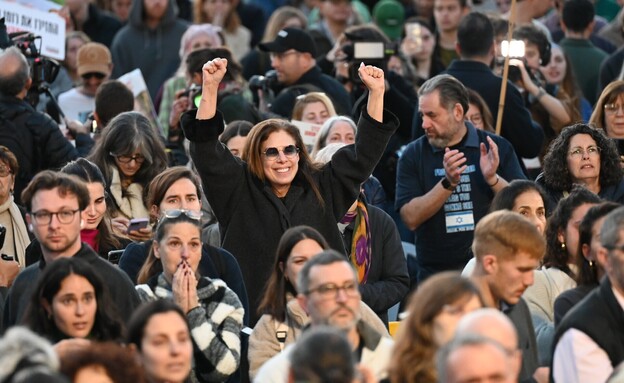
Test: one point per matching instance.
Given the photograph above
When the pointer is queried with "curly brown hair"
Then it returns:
(556, 173)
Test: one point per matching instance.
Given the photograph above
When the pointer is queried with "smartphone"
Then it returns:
(114, 256)
(137, 223)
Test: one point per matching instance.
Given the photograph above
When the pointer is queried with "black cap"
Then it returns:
(291, 38)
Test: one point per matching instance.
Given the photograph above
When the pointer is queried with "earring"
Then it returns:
(591, 264)
(30, 227)
(563, 246)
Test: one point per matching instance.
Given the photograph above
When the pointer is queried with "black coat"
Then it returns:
(252, 218)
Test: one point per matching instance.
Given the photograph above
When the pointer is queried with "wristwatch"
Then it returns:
(447, 184)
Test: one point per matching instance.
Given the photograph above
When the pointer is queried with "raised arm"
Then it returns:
(212, 74)
(375, 82)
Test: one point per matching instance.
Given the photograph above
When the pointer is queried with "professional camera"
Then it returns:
(43, 71)
(266, 84)
(371, 53)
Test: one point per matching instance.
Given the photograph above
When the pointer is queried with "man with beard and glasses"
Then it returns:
(329, 293)
(447, 178)
(589, 342)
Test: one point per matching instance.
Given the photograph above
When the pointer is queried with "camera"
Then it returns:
(43, 71)
(266, 83)
(370, 52)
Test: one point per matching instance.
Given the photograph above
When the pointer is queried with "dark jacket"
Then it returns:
(101, 26)
(121, 289)
(524, 134)
(154, 51)
(388, 281)
(252, 218)
(520, 316)
(285, 100)
(214, 263)
(597, 312)
(47, 147)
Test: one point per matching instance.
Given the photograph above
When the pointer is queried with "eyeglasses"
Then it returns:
(175, 213)
(578, 152)
(273, 153)
(281, 55)
(139, 158)
(330, 290)
(99, 76)
(5, 171)
(45, 217)
(613, 108)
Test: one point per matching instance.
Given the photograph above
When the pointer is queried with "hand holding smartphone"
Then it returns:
(137, 224)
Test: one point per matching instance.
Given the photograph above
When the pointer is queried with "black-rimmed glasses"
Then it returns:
(330, 290)
(139, 158)
(45, 217)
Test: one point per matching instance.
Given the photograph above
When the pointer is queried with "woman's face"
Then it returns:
(217, 10)
(445, 323)
(315, 113)
(583, 158)
(201, 41)
(7, 182)
(73, 307)
(166, 348)
(182, 194)
(181, 243)
(236, 145)
(555, 71)
(418, 43)
(570, 235)
(71, 56)
(614, 117)
(340, 132)
(130, 168)
(531, 205)
(299, 255)
(279, 171)
(94, 213)
(474, 115)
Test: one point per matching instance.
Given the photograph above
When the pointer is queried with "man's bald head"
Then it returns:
(492, 324)
(14, 72)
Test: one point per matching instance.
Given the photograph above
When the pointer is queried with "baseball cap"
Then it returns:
(94, 58)
(389, 16)
(291, 38)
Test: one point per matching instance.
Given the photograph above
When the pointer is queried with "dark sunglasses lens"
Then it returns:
(271, 152)
(98, 76)
(290, 150)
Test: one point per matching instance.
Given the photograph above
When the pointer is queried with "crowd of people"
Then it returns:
(310, 168)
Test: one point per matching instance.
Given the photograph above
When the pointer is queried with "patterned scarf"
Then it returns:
(361, 250)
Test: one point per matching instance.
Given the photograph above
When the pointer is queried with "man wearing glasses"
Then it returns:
(329, 293)
(34, 138)
(293, 55)
(589, 342)
(54, 202)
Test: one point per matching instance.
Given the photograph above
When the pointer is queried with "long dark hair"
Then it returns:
(588, 275)
(90, 173)
(274, 299)
(556, 255)
(107, 325)
(556, 172)
(505, 199)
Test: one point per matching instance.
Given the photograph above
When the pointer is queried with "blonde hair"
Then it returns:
(310, 98)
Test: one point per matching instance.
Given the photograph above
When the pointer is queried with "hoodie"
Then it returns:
(153, 51)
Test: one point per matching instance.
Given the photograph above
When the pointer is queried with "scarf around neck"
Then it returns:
(130, 201)
(20, 233)
(361, 250)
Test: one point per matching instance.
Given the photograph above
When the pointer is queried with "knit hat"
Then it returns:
(389, 16)
(94, 57)
(291, 38)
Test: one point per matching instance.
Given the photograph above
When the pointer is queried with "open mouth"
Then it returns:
(282, 170)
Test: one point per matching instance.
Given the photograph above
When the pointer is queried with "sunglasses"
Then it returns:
(273, 153)
(98, 76)
(175, 213)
